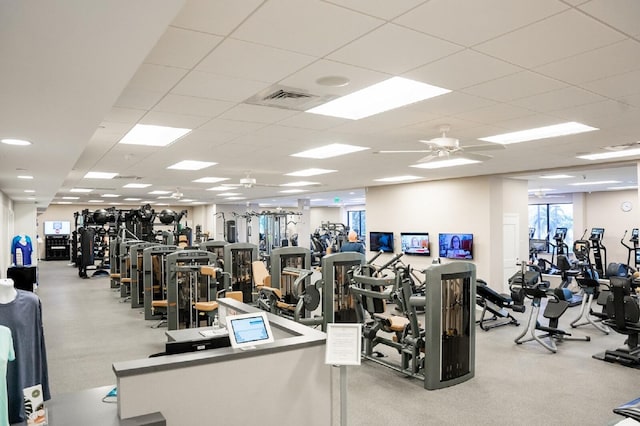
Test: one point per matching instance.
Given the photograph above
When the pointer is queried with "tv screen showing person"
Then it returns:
(415, 243)
(456, 246)
(381, 241)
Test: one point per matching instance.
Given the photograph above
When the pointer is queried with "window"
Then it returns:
(356, 220)
(545, 218)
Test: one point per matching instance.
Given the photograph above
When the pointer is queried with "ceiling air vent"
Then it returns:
(287, 98)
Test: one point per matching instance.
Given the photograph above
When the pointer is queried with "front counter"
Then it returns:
(285, 381)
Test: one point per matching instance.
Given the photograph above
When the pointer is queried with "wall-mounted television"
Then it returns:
(381, 241)
(415, 243)
(456, 246)
(57, 227)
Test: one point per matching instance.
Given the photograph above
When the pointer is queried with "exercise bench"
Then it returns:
(495, 304)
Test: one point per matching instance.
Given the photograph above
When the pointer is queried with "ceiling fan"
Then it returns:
(445, 146)
(248, 182)
(176, 195)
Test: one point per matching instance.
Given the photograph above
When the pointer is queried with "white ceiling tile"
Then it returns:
(124, 115)
(471, 22)
(621, 14)
(553, 41)
(528, 122)
(310, 27)
(394, 50)
(231, 126)
(256, 114)
(607, 61)
(156, 78)
(359, 78)
(215, 17)
(453, 73)
(452, 103)
(180, 104)
(282, 134)
(618, 86)
(380, 8)
(138, 98)
(494, 113)
(515, 86)
(634, 100)
(182, 48)
(566, 97)
(173, 120)
(206, 85)
(252, 61)
(312, 121)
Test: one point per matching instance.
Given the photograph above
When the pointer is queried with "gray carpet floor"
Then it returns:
(87, 328)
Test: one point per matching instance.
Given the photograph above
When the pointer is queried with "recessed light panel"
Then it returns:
(132, 199)
(137, 185)
(210, 180)
(562, 129)
(85, 190)
(235, 198)
(452, 162)
(611, 154)
(110, 195)
(556, 177)
(18, 142)
(599, 182)
(191, 165)
(328, 151)
(150, 135)
(70, 198)
(300, 183)
(310, 172)
(293, 191)
(100, 175)
(397, 178)
(384, 96)
(158, 192)
(96, 201)
(25, 177)
(218, 188)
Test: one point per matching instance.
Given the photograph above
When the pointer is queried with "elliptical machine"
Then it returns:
(635, 236)
(599, 251)
(559, 248)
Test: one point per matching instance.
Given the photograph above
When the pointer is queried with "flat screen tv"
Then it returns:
(381, 241)
(57, 227)
(415, 243)
(456, 246)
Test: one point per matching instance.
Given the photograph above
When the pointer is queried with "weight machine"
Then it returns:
(237, 264)
(338, 304)
(125, 266)
(215, 247)
(154, 280)
(137, 273)
(186, 285)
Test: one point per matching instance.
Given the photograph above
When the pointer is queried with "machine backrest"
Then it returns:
(621, 307)
(563, 263)
(260, 273)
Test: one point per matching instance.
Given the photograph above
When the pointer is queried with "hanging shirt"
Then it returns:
(23, 316)
(6, 354)
(21, 252)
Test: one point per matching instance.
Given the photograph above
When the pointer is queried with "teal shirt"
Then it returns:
(6, 354)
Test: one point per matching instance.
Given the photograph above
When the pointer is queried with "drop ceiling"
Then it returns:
(77, 79)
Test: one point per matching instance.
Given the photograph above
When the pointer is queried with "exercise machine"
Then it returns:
(215, 247)
(558, 248)
(125, 266)
(599, 251)
(137, 273)
(338, 304)
(529, 281)
(587, 279)
(497, 305)
(186, 285)
(632, 251)
(154, 280)
(624, 318)
(237, 264)
(567, 274)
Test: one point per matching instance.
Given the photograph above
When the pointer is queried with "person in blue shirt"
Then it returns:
(353, 244)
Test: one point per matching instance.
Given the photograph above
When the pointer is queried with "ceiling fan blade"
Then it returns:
(484, 147)
(427, 158)
(471, 156)
(405, 151)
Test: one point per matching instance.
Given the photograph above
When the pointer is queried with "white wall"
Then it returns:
(472, 205)
(6, 232)
(25, 223)
(326, 214)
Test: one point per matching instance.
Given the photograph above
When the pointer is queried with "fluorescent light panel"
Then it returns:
(293, 191)
(218, 188)
(110, 195)
(159, 192)
(611, 154)
(556, 177)
(384, 96)
(619, 188)
(230, 194)
(191, 165)
(397, 178)
(100, 175)
(235, 198)
(137, 185)
(150, 135)
(96, 201)
(540, 190)
(25, 177)
(70, 198)
(562, 129)
(452, 162)
(310, 172)
(29, 190)
(80, 190)
(599, 182)
(63, 202)
(300, 183)
(210, 180)
(328, 151)
(132, 199)
(17, 142)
